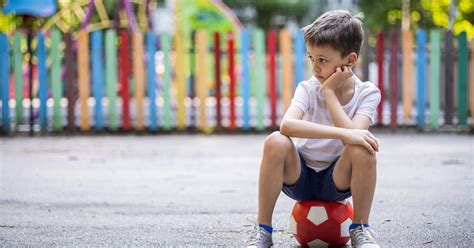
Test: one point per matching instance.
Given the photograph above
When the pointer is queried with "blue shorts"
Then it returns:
(314, 185)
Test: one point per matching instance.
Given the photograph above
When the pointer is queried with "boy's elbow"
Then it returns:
(285, 128)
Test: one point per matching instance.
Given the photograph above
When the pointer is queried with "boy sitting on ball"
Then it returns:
(332, 153)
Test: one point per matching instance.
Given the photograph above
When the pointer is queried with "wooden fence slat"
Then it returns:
(287, 64)
(462, 78)
(260, 77)
(449, 78)
(272, 89)
(300, 56)
(56, 81)
(111, 77)
(217, 78)
(43, 80)
(192, 79)
(393, 82)
(70, 81)
(83, 63)
(471, 83)
(151, 78)
(365, 56)
(245, 41)
(421, 78)
(380, 61)
(165, 42)
(139, 75)
(97, 77)
(124, 74)
(435, 68)
(407, 84)
(180, 78)
(18, 71)
(4, 81)
(231, 74)
(201, 77)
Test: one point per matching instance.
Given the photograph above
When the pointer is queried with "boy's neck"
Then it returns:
(345, 92)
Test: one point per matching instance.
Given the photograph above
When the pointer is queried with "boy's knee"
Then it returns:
(278, 141)
(360, 153)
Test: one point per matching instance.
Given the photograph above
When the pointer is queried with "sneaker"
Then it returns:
(362, 237)
(259, 238)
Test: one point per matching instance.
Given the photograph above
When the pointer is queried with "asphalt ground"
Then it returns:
(197, 191)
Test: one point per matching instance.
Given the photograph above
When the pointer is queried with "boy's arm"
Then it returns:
(339, 117)
(292, 126)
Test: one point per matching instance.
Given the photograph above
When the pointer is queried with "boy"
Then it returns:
(333, 154)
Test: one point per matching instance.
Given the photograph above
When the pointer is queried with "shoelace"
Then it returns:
(257, 233)
(363, 236)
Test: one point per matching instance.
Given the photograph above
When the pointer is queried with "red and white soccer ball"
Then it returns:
(319, 223)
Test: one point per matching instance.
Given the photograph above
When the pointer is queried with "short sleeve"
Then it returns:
(301, 98)
(368, 104)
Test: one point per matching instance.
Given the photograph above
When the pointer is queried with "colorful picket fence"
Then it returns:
(117, 80)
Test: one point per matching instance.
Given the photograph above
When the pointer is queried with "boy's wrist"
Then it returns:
(341, 133)
(326, 91)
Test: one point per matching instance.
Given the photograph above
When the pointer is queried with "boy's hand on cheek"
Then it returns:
(342, 73)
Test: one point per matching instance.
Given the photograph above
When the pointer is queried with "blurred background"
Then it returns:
(211, 66)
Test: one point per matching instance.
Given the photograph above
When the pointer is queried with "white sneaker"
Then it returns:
(362, 237)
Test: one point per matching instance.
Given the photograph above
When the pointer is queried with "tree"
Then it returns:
(427, 14)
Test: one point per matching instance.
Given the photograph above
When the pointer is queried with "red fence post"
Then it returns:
(380, 58)
(217, 77)
(272, 44)
(231, 51)
(124, 73)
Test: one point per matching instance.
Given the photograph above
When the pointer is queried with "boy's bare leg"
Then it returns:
(280, 165)
(356, 169)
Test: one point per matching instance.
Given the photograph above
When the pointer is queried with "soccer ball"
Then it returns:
(320, 223)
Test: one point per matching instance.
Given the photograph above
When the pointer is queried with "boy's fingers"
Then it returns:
(369, 148)
(375, 139)
(373, 144)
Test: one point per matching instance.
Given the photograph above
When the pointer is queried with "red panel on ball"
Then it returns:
(321, 227)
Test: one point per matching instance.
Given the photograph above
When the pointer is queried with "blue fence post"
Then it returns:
(245, 78)
(300, 50)
(43, 79)
(98, 78)
(151, 80)
(4, 81)
(421, 71)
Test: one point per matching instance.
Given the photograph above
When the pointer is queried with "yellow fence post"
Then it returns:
(139, 74)
(201, 76)
(407, 84)
(83, 76)
(287, 64)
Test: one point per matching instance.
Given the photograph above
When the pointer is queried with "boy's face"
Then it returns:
(325, 60)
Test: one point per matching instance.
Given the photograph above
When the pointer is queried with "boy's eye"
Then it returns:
(322, 60)
(311, 58)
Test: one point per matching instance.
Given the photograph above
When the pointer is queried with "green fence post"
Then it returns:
(462, 79)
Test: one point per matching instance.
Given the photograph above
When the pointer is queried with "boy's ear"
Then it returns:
(352, 58)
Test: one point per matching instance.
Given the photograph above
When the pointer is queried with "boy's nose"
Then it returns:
(316, 69)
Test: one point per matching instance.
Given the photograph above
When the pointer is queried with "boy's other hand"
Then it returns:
(342, 73)
(361, 137)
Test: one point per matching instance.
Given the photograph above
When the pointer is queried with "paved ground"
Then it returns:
(193, 190)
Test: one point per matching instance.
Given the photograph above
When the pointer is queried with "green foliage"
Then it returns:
(268, 9)
(427, 14)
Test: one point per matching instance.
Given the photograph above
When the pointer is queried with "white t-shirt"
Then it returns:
(319, 154)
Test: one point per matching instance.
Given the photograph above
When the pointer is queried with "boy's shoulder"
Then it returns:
(367, 87)
(310, 84)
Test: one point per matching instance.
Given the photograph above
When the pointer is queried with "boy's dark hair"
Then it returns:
(338, 29)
